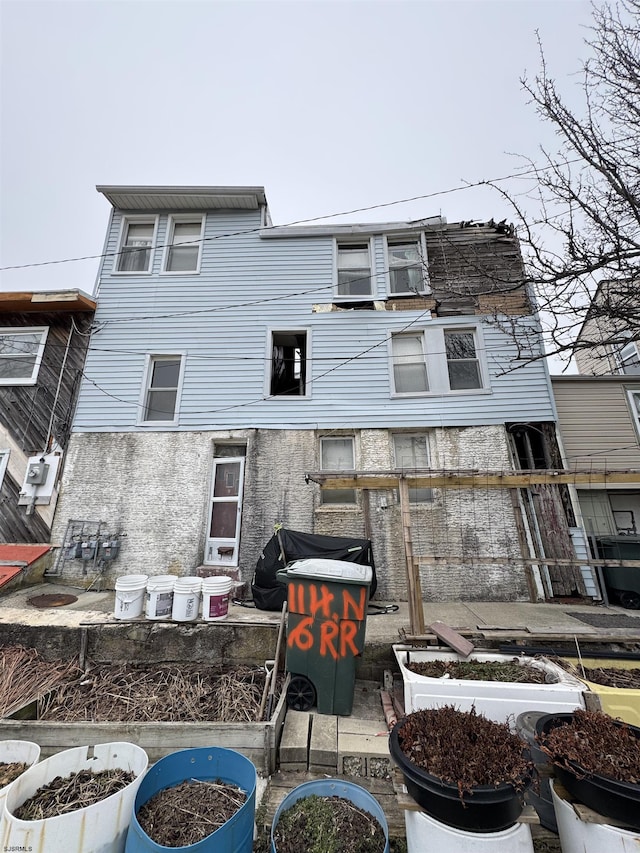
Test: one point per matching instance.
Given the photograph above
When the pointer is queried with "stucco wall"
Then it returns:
(155, 488)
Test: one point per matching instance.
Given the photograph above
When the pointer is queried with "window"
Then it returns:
(627, 358)
(21, 352)
(409, 366)
(164, 378)
(462, 361)
(411, 452)
(337, 454)
(634, 402)
(136, 245)
(4, 461)
(288, 364)
(406, 266)
(354, 270)
(184, 244)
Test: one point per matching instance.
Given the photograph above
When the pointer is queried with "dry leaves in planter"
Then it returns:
(318, 824)
(464, 748)
(479, 670)
(76, 791)
(597, 744)
(184, 814)
(9, 771)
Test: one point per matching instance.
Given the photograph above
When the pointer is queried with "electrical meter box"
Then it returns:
(37, 473)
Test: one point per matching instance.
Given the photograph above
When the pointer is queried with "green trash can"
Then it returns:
(623, 581)
(327, 614)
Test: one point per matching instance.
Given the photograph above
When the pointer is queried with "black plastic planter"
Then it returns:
(485, 809)
(607, 796)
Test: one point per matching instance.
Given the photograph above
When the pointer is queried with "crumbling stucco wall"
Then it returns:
(154, 487)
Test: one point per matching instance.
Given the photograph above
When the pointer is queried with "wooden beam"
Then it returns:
(472, 479)
(414, 590)
(527, 561)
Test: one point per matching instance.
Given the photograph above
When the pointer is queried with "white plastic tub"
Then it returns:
(499, 701)
(100, 828)
(425, 834)
(578, 836)
(16, 751)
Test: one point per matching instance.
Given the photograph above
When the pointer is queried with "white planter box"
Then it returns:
(497, 700)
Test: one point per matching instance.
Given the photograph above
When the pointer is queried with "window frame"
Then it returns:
(419, 239)
(423, 436)
(278, 330)
(324, 504)
(635, 410)
(622, 361)
(353, 242)
(177, 219)
(150, 360)
(124, 226)
(478, 361)
(13, 331)
(417, 334)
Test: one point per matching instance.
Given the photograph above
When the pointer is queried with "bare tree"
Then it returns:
(584, 239)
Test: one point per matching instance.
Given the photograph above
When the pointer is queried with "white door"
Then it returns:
(225, 512)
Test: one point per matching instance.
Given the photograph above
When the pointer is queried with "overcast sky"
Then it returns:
(330, 105)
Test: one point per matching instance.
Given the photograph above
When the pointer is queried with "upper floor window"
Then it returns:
(21, 352)
(337, 454)
(4, 461)
(634, 403)
(184, 244)
(136, 245)
(288, 364)
(411, 452)
(407, 270)
(462, 360)
(627, 358)
(162, 388)
(409, 365)
(353, 262)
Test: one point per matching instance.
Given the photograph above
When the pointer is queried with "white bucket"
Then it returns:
(160, 596)
(578, 836)
(99, 828)
(216, 592)
(130, 590)
(427, 835)
(186, 599)
(12, 752)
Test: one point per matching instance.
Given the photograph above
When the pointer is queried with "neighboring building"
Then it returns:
(599, 422)
(607, 341)
(43, 342)
(231, 358)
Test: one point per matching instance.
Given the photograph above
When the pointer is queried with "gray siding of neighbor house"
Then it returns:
(248, 285)
(595, 421)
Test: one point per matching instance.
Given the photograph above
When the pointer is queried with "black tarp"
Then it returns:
(285, 546)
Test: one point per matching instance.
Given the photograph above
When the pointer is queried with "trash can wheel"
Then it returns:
(630, 599)
(301, 694)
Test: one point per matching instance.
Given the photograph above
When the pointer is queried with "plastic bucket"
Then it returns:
(159, 603)
(130, 591)
(204, 763)
(578, 836)
(13, 751)
(216, 592)
(425, 834)
(186, 599)
(334, 788)
(99, 828)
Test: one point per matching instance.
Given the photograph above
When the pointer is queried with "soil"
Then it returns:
(610, 676)
(328, 825)
(464, 748)
(76, 791)
(479, 670)
(597, 744)
(186, 813)
(10, 771)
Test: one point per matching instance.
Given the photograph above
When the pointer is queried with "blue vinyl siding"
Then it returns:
(220, 320)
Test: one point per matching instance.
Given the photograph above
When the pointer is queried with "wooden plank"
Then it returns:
(472, 480)
(452, 638)
(414, 590)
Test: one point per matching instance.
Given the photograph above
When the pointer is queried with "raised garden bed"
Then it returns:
(615, 683)
(160, 707)
(500, 701)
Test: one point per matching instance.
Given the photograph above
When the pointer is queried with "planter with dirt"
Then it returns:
(436, 677)
(329, 816)
(615, 681)
(464, 770)
(597, 760)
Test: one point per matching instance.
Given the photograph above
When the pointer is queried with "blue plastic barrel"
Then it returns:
(333, 788)
(207, 764)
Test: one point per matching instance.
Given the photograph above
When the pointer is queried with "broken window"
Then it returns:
(337, 454)
(406, 272)
(288, 364)
(411, 452)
